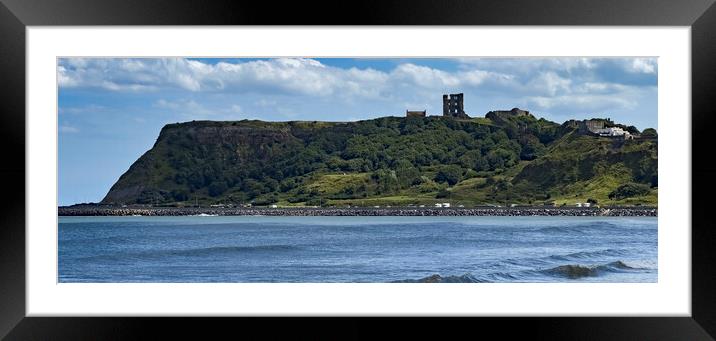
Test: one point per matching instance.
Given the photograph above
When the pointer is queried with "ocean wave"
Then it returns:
(579, 228)
(232, 249)
(589, 254)
(530, 262)
(436, 278)
(196, 252)
(575, 271)
(505, 276)
(95, 240)
(569, 271)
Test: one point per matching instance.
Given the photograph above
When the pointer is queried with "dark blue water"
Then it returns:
(357, 249)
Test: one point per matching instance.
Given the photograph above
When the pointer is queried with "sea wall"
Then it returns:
(405, 211)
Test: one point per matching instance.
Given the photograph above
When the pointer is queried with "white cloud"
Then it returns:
(263, 102)
(289, 86)
(642, 65)
(424, 76)
(600, 88)
(306, 77)
(64, 79)
(481, 77)
(528, 65)
(192, 109)
(549, 83)
(186, 106)
(68, 129)
(293, 76)
(580, 104)
(89, 108)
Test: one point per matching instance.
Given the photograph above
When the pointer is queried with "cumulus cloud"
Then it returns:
(549, 83)
(281, 85)
(424, 76)
(295, 76)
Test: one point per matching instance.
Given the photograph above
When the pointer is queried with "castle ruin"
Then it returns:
(591, 125)
(453, 106)
(513, 112)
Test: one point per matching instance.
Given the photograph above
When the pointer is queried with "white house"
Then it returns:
(613, 132)
(446, 204)
(438, 205)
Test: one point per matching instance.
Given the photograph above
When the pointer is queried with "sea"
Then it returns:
(261, 249)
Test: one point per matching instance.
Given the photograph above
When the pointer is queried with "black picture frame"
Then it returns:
(16, 15)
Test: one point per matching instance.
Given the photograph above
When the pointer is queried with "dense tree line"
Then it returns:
(397, 152)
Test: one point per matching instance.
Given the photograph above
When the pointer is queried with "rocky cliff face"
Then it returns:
(197, 144)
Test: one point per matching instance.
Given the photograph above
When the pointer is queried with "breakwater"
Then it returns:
(394, 211)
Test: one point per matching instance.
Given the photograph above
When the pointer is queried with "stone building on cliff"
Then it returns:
(453, 106)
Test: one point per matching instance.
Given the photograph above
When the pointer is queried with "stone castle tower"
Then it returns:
(453, 106)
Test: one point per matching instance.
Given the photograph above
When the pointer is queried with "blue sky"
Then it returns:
(111, 110)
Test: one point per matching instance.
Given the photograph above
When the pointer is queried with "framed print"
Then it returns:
(452, 164)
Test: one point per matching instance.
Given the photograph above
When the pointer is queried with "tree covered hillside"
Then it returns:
(499, 159)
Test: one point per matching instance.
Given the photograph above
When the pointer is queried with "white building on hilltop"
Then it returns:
(613, 132)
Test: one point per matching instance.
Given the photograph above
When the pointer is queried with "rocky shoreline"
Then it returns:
(397, 211)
